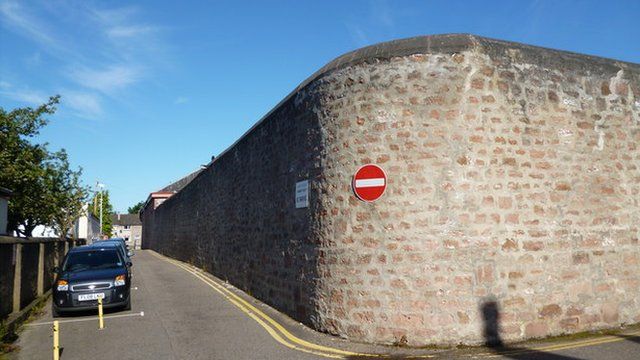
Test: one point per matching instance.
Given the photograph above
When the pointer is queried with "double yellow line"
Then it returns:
(558, 347)
(277, 331)
(284, 337)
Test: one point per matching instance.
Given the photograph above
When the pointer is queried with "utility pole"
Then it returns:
(95, 203)
(101, 186)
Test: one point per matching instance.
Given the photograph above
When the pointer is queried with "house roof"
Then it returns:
(178, 185)
(125, 219)
(170, 189)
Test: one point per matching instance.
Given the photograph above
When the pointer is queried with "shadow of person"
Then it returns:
(491, 321)
(490, 312)
(491, 331)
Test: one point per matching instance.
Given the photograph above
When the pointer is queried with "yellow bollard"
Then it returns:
(100, 313)
(56, 341)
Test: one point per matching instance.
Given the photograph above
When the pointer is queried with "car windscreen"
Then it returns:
(119, 246)
(91, 260)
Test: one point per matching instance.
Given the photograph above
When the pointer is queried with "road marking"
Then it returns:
(259, 316)
(558, 347)
(269, 329)
(271, 325)
(92, 318)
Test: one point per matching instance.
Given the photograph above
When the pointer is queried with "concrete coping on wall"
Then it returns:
(31, 240)
(451, 44)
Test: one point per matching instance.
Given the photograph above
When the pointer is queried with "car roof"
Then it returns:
(110, 241)
(106, 243)
(90, 248)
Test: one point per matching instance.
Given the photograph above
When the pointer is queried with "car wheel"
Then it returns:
(54, 312)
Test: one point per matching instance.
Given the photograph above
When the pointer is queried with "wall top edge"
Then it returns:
(20, 240)
(449, 44)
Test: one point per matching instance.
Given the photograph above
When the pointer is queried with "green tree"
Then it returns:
(135, 208)
(67, 194)
(24, 166)
(107, 210)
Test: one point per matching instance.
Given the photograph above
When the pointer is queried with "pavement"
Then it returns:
(180, 312)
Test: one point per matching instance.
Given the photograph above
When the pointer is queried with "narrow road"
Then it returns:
(181, 313)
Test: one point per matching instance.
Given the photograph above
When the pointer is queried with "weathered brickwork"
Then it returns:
(513, 180)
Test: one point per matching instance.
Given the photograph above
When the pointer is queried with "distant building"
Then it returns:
(87, 226)
(128, 227)
(5, 194)
(156, 198)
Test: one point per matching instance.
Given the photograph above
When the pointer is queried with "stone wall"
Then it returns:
(6, 279)
(512, 196)
(29, 274)
(25, 275)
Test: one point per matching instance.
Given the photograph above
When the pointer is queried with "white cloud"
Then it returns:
(23, 95)
(381, 13)
(107, 80)
(132, 31)
(181, 100)
(97, 52)
(358, 35)
(380, 17)
(114, 15)
(84, 104)
(17, 18)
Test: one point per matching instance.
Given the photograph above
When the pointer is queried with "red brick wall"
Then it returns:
(513, 179)
(512, 193)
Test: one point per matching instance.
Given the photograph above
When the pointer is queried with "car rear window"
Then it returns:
(86, 260)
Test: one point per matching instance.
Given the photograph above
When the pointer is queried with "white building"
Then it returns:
(86, 227)
(4, 211)
(128, 227)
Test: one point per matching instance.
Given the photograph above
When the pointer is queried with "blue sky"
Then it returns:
(151, 89)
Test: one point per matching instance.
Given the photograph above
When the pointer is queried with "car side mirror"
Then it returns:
(129, 264)
(56, 270)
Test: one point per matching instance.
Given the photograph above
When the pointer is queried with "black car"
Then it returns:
(123, 241)
(89, 273)
(126, 254)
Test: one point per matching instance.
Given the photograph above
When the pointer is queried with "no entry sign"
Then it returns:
(369, 182)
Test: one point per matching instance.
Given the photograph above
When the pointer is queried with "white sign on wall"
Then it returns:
(302, 194)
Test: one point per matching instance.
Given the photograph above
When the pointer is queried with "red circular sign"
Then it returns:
(369, 182)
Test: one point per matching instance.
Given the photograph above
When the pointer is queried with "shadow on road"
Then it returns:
(633, 338)
(88, 313)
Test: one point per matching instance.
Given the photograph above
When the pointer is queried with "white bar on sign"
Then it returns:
(369, 182)
(302, 194)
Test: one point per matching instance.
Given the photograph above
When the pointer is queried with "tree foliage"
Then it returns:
(46, 191)
(107, 210)
(68, 195)
(135, 208)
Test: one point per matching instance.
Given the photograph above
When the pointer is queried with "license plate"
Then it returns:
(88, 297)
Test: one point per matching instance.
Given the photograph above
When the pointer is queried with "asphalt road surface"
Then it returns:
(179, 312)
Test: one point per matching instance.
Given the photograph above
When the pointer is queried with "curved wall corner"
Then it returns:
(511, 205)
